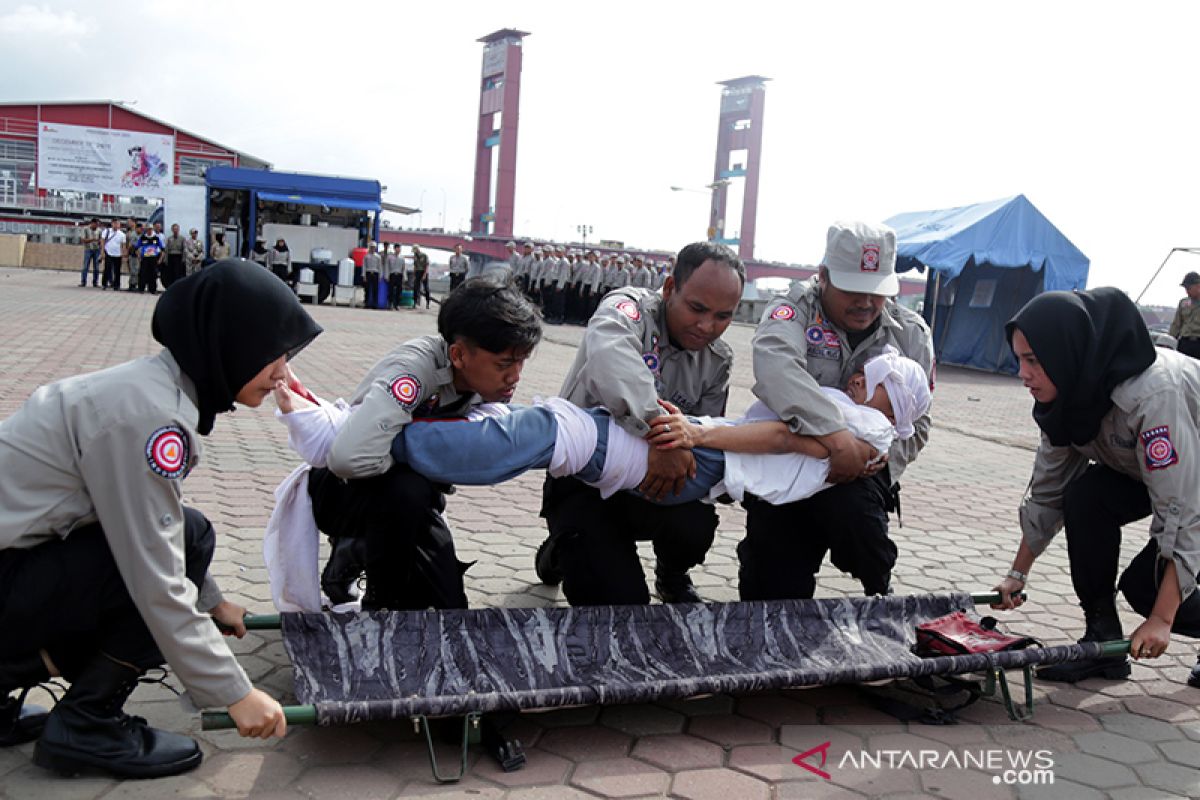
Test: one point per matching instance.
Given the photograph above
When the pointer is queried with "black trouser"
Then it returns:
(785, 545)
(67, 597)
(1190, 346)
(395, 289)
(173, 271)
(456, 279)
(148, 274)
(596, 540)
(112, 271)
(411, 563)
(1095, 506)
(420, 284)
(371, 287)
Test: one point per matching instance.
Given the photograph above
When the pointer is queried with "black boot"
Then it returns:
(1194, 677)
(21, 722)
(347, 559)
(545, 562)
(1103, 625)
(674, 586)
(87, 729)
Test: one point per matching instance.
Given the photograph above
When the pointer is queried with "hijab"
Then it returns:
(1088, 343)
(281, 246)
(260, 247)
(224, 324)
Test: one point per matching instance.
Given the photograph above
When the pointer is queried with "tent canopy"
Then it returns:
(1006, 233)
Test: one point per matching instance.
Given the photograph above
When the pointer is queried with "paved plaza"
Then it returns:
(1126, 740)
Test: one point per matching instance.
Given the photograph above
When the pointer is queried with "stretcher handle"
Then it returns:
(255, 622)
(221, 721)
(987, 598)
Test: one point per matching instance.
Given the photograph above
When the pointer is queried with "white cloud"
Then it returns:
(30, 20)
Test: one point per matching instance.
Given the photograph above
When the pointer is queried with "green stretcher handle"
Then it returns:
(221, 721)
(1117, 647)
(987, 598)
(255, 622)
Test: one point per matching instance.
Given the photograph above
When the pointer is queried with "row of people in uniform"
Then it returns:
(103, 573)
(568, 283)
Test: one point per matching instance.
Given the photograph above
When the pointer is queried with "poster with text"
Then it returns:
(107, 161)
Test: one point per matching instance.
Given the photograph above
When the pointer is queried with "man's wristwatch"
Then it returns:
(1016, 573)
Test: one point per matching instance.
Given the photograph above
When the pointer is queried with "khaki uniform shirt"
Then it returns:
(193, 252)
(174, 245)
(626, 361)
(1186, 324)
(91, 238)
(414, 380)
(797, 351)
(640, 278)
(113, 447)
(1151, 434)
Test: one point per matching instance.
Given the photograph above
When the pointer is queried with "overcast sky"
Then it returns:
(1089, 109)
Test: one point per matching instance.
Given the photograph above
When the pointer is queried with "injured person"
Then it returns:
(493, 443)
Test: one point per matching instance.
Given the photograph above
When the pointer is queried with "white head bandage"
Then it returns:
(906, 383)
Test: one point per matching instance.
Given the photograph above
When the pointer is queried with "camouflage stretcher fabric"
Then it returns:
(389, 665)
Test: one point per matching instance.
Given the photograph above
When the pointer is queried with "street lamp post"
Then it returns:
(710, 189)
(584, 230)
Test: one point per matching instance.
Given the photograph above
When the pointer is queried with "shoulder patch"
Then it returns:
(630, 309)
(167, 452)
(784, 312)
(406, 390)
(1160, 452)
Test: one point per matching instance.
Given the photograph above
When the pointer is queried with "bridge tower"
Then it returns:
(739, 157)
(499, 93)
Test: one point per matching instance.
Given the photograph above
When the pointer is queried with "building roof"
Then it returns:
(128, 108)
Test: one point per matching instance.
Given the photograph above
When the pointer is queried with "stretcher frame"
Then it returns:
(476, 727)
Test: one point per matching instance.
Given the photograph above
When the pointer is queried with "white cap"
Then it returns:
(906, 383)
(861, 258)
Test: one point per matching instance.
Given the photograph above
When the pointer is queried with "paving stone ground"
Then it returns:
(1133, 739)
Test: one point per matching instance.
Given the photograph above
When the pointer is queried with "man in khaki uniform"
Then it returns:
(486, 332)
(1186, 325)
(641, 346)
(817, 335)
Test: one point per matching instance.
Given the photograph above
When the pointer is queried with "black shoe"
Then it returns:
(1194, 677)
(1102, 625)
(545, 563)
(88, 730)
(347, 560)
(674, 587)
(21, 722)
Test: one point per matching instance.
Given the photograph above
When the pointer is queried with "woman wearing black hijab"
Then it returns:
(103, 572)
(1120, 442)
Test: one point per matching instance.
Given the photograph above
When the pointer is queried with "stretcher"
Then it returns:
(424, 665)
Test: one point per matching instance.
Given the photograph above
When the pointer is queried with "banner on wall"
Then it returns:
(106, 161)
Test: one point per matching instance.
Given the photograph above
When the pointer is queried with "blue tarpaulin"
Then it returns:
(987, 261)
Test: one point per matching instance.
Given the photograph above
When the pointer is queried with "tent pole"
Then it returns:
(937, 290)
(1154, 277)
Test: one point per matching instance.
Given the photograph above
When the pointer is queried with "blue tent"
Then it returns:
(987, 261)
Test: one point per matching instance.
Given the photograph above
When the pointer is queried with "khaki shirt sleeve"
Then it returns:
(781, 378)
(1177, 322)
(1170, 466)
(142, 519)
(1041, 513)
(362, 448)
(615, 373)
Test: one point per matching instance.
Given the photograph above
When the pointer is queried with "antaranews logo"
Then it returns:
(1008, 767)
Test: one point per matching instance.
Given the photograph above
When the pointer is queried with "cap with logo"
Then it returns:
(861, 258)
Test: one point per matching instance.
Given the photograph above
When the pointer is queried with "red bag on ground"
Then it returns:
(957, 634)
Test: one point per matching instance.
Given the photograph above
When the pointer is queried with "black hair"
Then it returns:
(491, 313)
(693, 255)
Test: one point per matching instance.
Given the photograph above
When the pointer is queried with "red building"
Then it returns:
(51, 214)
